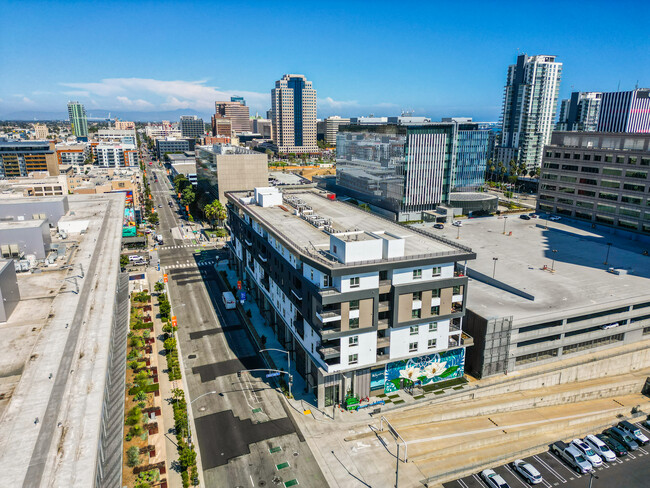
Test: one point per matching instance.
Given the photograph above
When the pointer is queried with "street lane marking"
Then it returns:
(516, 476)
(551, 470)
(480, 480)
(462, 483)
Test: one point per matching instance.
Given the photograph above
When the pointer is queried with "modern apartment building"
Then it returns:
(293, 103)
(192, 126)
(364, 305)
(600, 177)
(625, 111)
(78, 120)
(332, 125)
(222, 168)
(580, 112)
(19, 158)
(162, 130)
(529, 107)
(115, 155)
(125, 136)
(406, 170)
(237, 113)
(173, 145)
(75, 154)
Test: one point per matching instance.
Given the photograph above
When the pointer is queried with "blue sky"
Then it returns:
(435, 58)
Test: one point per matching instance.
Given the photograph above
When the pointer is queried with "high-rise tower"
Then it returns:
(293, 103)
(78, 121)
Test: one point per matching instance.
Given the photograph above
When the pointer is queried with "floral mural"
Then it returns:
(424, 370)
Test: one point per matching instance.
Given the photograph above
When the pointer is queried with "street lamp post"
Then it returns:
(609, 245)
(505, 219)
(553, 262)
(591, 478)
(458, 233)
(288, 364)
(494, 270)
(189, 430)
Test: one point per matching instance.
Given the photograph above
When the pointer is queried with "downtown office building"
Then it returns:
(529, 107)
(406, 170)
(293, 106)
(599, 177)
(580, 112)
(364, 305)
(625, 111)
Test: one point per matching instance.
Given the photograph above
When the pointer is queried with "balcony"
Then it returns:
(382, 324)
(462, 340)
(466, 340)
(333, 328)
(383, 342)
(456, 307)
(328, 292)
(329, 352)
(384, 306)
(297, 295)
(262, 258)
(454, 325)
(329, 315)
(248, 243)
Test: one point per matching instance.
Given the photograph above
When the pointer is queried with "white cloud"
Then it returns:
(166, 94)
(329, 102)
(139, 103)
(28, 101)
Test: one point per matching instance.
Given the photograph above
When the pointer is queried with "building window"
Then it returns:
(431, 343)
(414, 329)
(383, 275)
(597, 157)
(620, 159)
(417, 296)
(354, 305)
(327, 281)
(457, 290)
(417, 274)
(436, 271)
(354, 323)
(435, 310)
(433, 327)
(355, 282)
(435, 293)
(413, 347)
(353, 359)
(416, 314)
(353, 341)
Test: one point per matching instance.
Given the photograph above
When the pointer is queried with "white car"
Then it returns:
(554, 217)
(457, 223)
(589, 453)
(527, 471)
(493, 480)
(600, 448)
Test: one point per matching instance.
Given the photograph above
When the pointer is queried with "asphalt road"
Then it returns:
(244, 434)
(631, 471)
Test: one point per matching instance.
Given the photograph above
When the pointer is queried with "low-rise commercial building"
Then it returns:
(192, 126)
(599, 177)
(19, 158)
(34, 208)
(364, 306)
(37, 184)
(9, 291)
(22, 238)
(173, 145)
(224, 168)
(183, 164)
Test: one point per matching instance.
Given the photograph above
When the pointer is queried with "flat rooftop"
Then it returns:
(343, 218)
(20, 224)
(580, 283)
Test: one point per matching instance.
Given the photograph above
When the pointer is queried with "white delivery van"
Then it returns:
(229, 300)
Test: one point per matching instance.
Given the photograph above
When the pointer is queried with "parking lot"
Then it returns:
(631, 471)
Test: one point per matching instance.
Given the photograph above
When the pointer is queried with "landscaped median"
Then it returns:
(142, 401)
(186, 452)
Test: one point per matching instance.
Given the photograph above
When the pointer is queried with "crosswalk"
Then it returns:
(178, 247)
(190, 264)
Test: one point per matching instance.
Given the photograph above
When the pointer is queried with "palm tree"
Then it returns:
(215, 211)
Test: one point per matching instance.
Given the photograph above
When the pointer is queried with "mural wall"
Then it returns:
(422, 370)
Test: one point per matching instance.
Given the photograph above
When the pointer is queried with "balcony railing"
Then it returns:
(262, 258)
(382, 324)
(384, 306)
(329, 315)
(383, 342)
(329, 352)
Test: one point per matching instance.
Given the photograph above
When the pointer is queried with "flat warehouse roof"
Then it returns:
(580, 283)
(343, 217)
(21, 224)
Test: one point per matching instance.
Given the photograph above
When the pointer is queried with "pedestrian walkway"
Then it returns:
(180, 247)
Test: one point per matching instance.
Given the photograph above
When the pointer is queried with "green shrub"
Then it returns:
(133, 456)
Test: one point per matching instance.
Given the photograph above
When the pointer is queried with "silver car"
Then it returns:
(527, 472)
(493, 480)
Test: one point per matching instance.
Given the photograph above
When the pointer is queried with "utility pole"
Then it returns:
(505, 219)
(609, 245)
(494, 270)
(553, 263)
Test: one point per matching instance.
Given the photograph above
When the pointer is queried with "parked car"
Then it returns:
(634, 432)
(554, 217)
(600, 448)
(493, 480)
(524, 217)
(527, 471)
(572, 457)
(622, 437)
(533, 216)
(457, 223)
(588, 452)
(438, 226)
(616, 447)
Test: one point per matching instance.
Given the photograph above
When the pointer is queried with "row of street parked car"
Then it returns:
(582, 455)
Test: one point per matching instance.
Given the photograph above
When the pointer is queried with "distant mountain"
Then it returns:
(102, 114)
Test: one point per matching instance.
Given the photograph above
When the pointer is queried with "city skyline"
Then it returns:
(360, 63)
